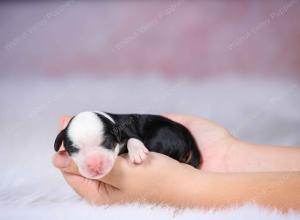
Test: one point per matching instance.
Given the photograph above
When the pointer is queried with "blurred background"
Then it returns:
(171, 37)
(233, 62)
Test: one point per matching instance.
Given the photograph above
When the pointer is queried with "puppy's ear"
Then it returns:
(59, 140)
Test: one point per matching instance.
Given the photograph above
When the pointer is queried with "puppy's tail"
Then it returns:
(195, 158)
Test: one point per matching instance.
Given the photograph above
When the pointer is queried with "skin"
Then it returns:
(233, 172)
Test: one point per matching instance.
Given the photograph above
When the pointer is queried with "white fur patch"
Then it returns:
(86, 130)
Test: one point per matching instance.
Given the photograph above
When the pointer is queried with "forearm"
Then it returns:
(218, 190)
(246, 157)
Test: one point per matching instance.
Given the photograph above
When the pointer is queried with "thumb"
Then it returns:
(64, 162)
(119, 173)
(115, 177)
(63, 122)
(94, 191)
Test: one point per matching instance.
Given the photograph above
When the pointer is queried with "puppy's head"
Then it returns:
(90, 139)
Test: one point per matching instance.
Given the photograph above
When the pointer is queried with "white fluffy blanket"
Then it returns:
(253, 109)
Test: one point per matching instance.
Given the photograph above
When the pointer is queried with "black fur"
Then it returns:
(158, 134)
(59, 139)
(63, 137)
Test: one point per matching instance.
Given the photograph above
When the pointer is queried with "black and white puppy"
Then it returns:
(95, 139)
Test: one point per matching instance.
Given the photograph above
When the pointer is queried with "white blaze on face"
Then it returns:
(86, 131)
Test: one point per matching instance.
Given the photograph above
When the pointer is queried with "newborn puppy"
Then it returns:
(95, 139)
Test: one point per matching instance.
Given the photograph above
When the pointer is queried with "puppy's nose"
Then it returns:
(95, 165)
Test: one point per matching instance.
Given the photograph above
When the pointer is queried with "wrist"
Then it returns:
(248, 157)
(245, 157)
(197, 189)
(184, 188)
(234, 156)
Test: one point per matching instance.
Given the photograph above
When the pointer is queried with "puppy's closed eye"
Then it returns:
(72, 149)
(109, 143)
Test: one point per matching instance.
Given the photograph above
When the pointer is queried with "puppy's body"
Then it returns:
(94, 139)
(158, 134)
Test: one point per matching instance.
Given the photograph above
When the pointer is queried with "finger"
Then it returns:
(103, 191)
(119, 173)
(64, 162)
(178, 118)
(62, 148)
(93, 191)
(185, 119)
(79, 184)
(63, 122)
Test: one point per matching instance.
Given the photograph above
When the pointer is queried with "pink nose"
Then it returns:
(95, 165)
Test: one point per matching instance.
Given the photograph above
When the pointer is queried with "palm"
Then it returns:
(213, 141)
(91, 190)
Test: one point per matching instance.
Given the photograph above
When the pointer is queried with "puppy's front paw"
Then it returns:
(136, 150)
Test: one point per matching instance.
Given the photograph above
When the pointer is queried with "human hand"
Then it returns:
(161, 179)
(214, 142)
(222, 152)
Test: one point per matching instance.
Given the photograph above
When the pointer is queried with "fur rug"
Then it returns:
(255, 110)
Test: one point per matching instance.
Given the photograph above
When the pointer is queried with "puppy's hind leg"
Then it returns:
(136, 150)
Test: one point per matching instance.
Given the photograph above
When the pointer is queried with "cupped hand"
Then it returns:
(159, 178)
(214, 141)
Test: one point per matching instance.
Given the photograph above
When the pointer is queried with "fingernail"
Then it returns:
(62, 160)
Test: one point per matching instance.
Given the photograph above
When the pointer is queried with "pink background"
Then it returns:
(196, 38)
